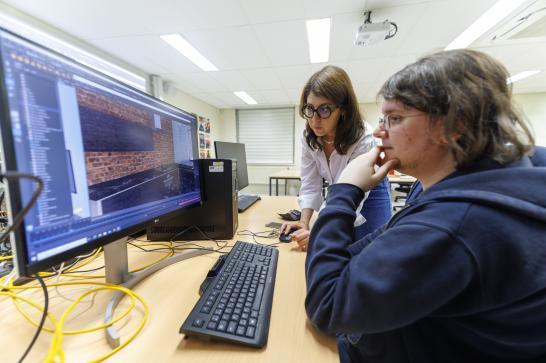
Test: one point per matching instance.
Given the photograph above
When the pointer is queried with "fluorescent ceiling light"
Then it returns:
(245, 97)
(80, 55)
(485, 22)
(318, 36)
(180, 44)
(522, 75)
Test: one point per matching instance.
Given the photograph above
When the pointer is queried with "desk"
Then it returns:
(289, 174)
(401, 179)
(171, 294)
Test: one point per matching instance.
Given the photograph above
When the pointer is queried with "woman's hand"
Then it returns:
(299, 232)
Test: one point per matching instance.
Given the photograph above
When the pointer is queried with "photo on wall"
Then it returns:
(204, 137)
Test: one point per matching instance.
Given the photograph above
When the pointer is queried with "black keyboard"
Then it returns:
(236, 305)
(246, 200)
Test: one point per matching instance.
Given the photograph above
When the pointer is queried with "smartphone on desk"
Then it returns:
(274, 225)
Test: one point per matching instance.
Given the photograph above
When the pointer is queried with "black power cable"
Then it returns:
(42, 321)
(10, 175)
(17, 220)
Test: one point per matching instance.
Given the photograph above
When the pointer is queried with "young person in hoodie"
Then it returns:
(459, 275)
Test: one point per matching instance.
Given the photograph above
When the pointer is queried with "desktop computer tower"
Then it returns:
(216, 217)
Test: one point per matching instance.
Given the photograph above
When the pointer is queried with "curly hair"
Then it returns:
(334, 84)
(467, 91)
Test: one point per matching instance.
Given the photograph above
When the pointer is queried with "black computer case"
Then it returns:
(217, 217)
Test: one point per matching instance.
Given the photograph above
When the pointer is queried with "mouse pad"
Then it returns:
(274, 225)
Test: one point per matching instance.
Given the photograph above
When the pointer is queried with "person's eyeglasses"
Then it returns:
(323, 111)
(389, 121)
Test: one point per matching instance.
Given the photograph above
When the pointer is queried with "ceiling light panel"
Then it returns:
(183, 46)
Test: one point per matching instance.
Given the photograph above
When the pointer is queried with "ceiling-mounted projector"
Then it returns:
(371, 33)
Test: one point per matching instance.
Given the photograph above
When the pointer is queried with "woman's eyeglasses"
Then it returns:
(323, 111)
(389, 121)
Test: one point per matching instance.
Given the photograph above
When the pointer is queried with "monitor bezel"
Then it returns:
(22, 264)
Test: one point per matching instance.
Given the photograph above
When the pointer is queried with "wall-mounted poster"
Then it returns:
(204, 137)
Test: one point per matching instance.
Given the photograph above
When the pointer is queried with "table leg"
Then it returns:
(270, 185)
(276, 186)
(285, 183)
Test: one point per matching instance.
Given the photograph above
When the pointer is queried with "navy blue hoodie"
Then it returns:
(459, 275)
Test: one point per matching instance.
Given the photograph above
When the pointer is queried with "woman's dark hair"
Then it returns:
(467, 90)
(333, 83)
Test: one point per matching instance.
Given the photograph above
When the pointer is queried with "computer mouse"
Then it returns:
(286, 237)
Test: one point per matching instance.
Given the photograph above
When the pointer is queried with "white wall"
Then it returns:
(228, 129)
(534, 107)
(371, 112)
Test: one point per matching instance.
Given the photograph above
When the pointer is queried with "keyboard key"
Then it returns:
(231, 327)
(212, 325)
(240, 330)
(258, 300)
(222, 325)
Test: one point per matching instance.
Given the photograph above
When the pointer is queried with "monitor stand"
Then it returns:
(117, 272)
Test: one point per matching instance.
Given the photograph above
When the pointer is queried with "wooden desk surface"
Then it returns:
(170, 294)
(287, 174)
(400, 178)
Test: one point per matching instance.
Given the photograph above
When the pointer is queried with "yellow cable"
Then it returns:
(81, 331)
(56, 354)
(30, 302)
(4, 258)
(91, 258)
(85, 261)
(168, 254)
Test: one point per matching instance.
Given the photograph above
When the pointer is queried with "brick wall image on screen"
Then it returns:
(129, 160)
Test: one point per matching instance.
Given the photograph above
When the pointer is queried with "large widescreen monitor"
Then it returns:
(112, 159)
(234, 150)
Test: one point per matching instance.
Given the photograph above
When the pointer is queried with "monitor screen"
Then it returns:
(112, 158)
(234, 150)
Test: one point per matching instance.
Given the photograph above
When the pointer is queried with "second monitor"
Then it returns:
(234, 150)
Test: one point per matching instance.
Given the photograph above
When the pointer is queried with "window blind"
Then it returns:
(268, 135)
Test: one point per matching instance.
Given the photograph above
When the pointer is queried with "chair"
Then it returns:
(325, 186)
(404, 189)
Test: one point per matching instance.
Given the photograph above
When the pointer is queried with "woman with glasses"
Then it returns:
(334, 135)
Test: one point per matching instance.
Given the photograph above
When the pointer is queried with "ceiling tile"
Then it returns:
(284, 43)
(294, 76)
(262, 78)
(275, 97)
(260, 12)
(231, 80)
(232, 48)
